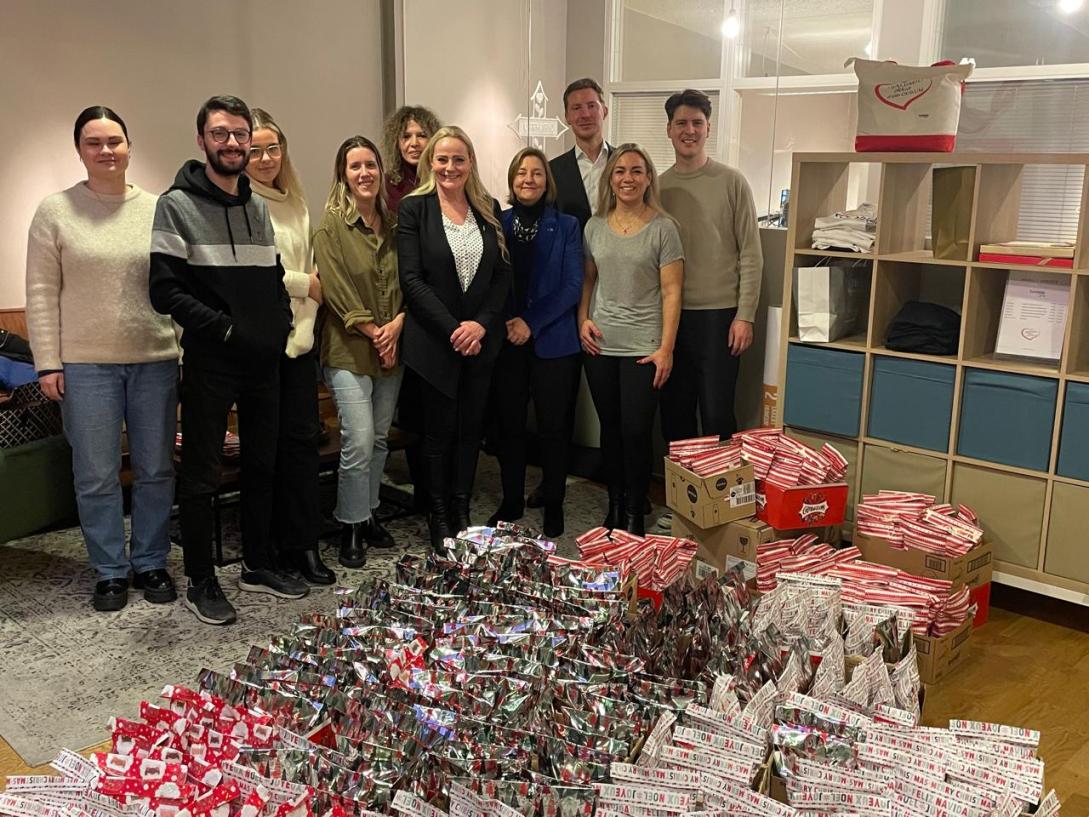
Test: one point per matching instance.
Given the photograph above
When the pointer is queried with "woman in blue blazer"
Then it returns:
(541, 354)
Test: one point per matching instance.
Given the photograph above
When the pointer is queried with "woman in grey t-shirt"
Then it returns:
(631, 304)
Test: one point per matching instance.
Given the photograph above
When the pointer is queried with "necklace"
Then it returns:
(626, 228)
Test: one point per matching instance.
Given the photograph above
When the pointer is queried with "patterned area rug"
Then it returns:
(64, 669)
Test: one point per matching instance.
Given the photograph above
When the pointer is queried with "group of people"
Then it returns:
(414, 274)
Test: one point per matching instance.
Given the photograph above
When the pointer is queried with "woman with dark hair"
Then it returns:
(298, 512)
(541, 352)
(455, 273)
(631, 305)
(405, 136)
(357, 257)
(108, 358)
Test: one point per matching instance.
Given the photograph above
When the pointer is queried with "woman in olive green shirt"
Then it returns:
(356, 252)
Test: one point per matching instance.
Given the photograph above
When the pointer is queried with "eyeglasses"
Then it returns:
(273, 152)
(221, 135)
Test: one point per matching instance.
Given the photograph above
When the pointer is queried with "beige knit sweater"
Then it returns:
(87, 281)
(291, 223)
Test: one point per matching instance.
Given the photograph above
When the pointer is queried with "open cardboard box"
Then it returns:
(712, 500)
(972, 569)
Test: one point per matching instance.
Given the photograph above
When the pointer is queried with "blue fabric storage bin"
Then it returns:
(911, 402)
(1074, 441)
(823, 389)
(1007, 418)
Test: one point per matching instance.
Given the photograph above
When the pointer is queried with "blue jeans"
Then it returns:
(365, 406)
(98, 398)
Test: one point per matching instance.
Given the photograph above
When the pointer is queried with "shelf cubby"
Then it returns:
(1010, 508)
(895, 283)
(1003, 435)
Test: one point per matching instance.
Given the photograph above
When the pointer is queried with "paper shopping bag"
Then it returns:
(825, 305)
(951, 214)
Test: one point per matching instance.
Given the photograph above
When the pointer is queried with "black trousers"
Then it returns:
(297, 500)
(452, 429)
(206, 398)
(410, 418)
(625, 399)
(704, 377)
(520, 374)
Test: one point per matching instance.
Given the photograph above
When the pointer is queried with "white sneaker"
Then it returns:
(665, 522)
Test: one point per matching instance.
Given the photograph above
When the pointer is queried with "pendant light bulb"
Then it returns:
(731, 26)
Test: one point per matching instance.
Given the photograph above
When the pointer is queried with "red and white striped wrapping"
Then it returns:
(786, 462)
(658, 561)
(914, 521)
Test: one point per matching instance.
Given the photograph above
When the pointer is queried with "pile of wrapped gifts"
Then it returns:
(786, 462)
(937, 608)
(704, 456)
(911, 520)
(657, 561)
(497, 681)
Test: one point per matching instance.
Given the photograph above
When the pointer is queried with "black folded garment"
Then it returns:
(922, 328)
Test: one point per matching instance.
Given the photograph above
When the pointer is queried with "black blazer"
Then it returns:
(434, 302)
(571, 195)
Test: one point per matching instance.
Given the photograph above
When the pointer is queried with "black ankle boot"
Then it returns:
(376, 534)
(438, 526)
(615, 517)
(634, 521)
(553, 521)
(310, 566)
(459, 514)
(507, 512)
(353, 545)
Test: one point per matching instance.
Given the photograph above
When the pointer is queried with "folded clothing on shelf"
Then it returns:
(852, 230)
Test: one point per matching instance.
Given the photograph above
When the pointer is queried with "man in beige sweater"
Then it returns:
(714, 209)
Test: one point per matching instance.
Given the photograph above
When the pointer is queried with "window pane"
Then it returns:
(818, 35)
(670, 39)
(641, 118)
(1038, 116)
(1014, 32)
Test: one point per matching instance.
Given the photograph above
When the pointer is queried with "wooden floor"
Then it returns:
(1029, 666)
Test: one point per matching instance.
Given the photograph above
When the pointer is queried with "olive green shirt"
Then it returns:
(359, 285)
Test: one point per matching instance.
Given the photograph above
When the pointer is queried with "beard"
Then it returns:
(223, 166)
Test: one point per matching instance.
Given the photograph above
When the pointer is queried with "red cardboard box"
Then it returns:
(806, 506)
(981, 598)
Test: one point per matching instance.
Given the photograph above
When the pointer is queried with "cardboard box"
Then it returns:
(713, 500)
(972, 569)
(806, 506)
(940, 656)
(722, 547)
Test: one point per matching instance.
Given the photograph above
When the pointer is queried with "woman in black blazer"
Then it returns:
(455, 275)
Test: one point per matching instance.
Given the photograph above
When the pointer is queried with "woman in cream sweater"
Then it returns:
(273, 178)
(108, 358)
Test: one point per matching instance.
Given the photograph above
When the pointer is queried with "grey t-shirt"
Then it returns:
(627, 300)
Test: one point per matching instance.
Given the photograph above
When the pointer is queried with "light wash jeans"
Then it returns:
(365, 406)
(98, 398)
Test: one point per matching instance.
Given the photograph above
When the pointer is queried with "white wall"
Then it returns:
(502, 48)
(315, 67)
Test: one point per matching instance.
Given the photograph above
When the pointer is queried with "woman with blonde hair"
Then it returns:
(455, 275)
(273, 177)
(405, 136)
(628, 316)
(360, 339)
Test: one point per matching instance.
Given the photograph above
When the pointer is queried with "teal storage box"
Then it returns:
(1007, 418)
(1074, 441)
(823, 389)
(911, 402)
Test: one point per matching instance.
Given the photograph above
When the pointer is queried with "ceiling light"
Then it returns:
(731, 26)
(1070, 6)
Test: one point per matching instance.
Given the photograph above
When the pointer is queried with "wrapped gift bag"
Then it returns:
(908, 107)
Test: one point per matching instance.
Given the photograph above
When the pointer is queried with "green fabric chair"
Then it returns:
(36, 487)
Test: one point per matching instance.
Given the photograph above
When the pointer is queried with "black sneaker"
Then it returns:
(111, 595)
(208, 603)
(272, 582)
(157, 585)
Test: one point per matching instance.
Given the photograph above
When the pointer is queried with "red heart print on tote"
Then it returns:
(901, 94)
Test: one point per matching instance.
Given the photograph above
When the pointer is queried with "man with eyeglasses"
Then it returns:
(215, 271)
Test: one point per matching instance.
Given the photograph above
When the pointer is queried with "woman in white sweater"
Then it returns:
(108, 358)
(297, 503)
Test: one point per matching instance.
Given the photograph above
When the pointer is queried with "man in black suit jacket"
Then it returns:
(578, 171)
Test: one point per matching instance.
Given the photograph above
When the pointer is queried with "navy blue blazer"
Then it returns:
(555, 283)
